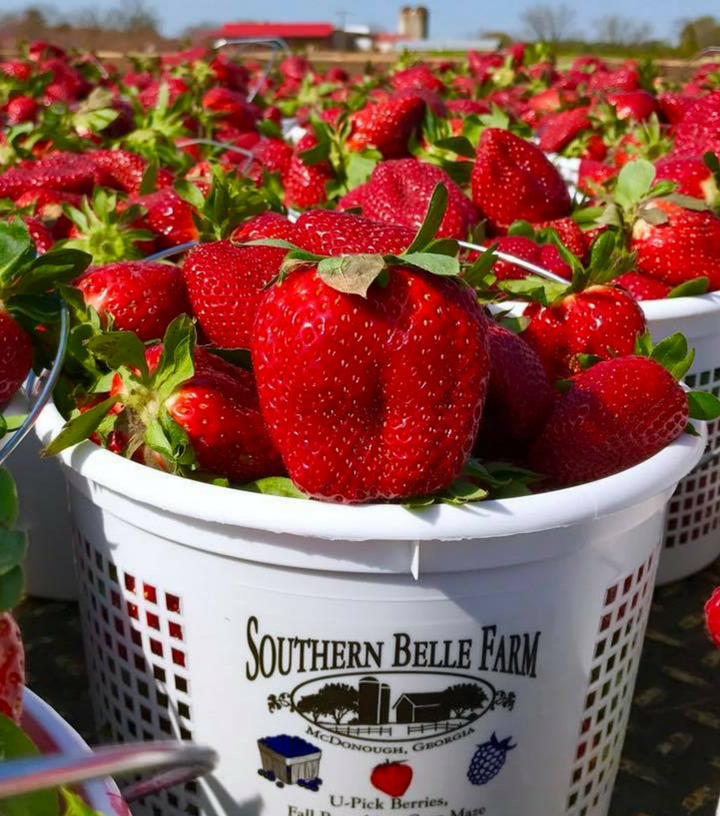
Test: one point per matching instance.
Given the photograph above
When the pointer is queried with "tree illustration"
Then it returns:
(337, 700)
(464, 698)
(311, 704)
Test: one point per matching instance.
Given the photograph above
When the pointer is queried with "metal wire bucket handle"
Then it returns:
(276, 44)
(708, 51)
(41, 387)
(225, 146)
(175, 763)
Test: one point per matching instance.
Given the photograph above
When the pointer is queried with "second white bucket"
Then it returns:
(692, 529)
(345, 660)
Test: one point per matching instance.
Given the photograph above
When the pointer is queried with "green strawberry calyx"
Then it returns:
(144, 421)
(12, 546)
(674, 354)
(354, 274)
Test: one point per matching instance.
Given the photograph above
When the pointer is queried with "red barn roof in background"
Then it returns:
(289, 31)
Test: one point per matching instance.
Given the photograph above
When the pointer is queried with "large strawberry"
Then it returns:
(386, 126)
(692, 175)
(141, 296)
(371, 391)
(305, 183)
(336, 233)
(399, 192)
(177, 407)
(25, 278)
(225, 284)
(512, 179)
(519, 395)
(678, 244)
(613, 416)
(556, 130)
(699, 129)
(125, 171)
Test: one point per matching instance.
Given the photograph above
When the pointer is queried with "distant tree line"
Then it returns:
(612, 34)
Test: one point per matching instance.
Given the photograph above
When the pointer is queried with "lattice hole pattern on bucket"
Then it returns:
(609, 694)
(137, 662)
(694, 510)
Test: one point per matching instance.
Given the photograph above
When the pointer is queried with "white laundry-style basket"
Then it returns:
(475, 660)
(692, 530)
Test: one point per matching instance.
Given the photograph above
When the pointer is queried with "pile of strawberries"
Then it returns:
(331, 320)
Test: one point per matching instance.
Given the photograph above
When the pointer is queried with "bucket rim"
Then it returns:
(384, 522)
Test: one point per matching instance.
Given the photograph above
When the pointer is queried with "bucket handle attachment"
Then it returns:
(276, 44)
(41, 387)
(174, 763)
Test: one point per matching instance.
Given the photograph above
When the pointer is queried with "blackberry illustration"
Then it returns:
(488, 760)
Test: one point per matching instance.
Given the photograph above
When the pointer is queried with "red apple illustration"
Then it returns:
(393, 778)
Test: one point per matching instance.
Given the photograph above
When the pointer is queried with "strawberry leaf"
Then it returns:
(433, 218)
(686, 201)
(120, 348)
(176, 364)
(80, 427)
(673, 354)
(696, 286)
(16, 251)
(457, 144)
(275, 486)
(12, 589)
(442, 265)
(522, 228)
(15, 744)
(703, 405)
(351, 274)
(634, 183)
(8, 499)
(12, 550)
(586, 361)
(480, 273)
(149, 180)
(534, 287)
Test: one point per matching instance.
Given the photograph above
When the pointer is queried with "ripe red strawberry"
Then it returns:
(305, 184)
(69, 172)
(551, 99)
(546, 256)
(122, 170)
(712, 616)
(641, 287)
(594, 172)
(142, 297)
(556, 130)
(221, 430)
(387, 126)
(673, 106)
(519, 396)
(622, 79)
(616, 414)
(699, 129)
(569, 233)
(390, 407)
(12, 668)
(232, 107)
(333, 233)
(218, 409)
(399, 192)
(636, 105)
(41, 235)
(603, 321)
(149, 95)
(467, 106)
(692, 176)
(264, 225)
(512, 179)
(417, 76)
(272, 155)
(21, 109)
(15, 355)
(225, 284)
(16, 69)
(353, 200)
(685, 246)
(168, 216)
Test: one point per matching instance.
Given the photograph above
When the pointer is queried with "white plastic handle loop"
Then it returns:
(175, 763)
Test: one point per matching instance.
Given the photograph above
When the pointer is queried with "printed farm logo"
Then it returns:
(397, 690)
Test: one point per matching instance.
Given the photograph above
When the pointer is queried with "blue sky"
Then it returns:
(448, 18)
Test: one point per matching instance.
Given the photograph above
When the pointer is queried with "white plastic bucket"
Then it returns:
(692, 530)
(447, 640)
(52, 734)
(44, 516)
